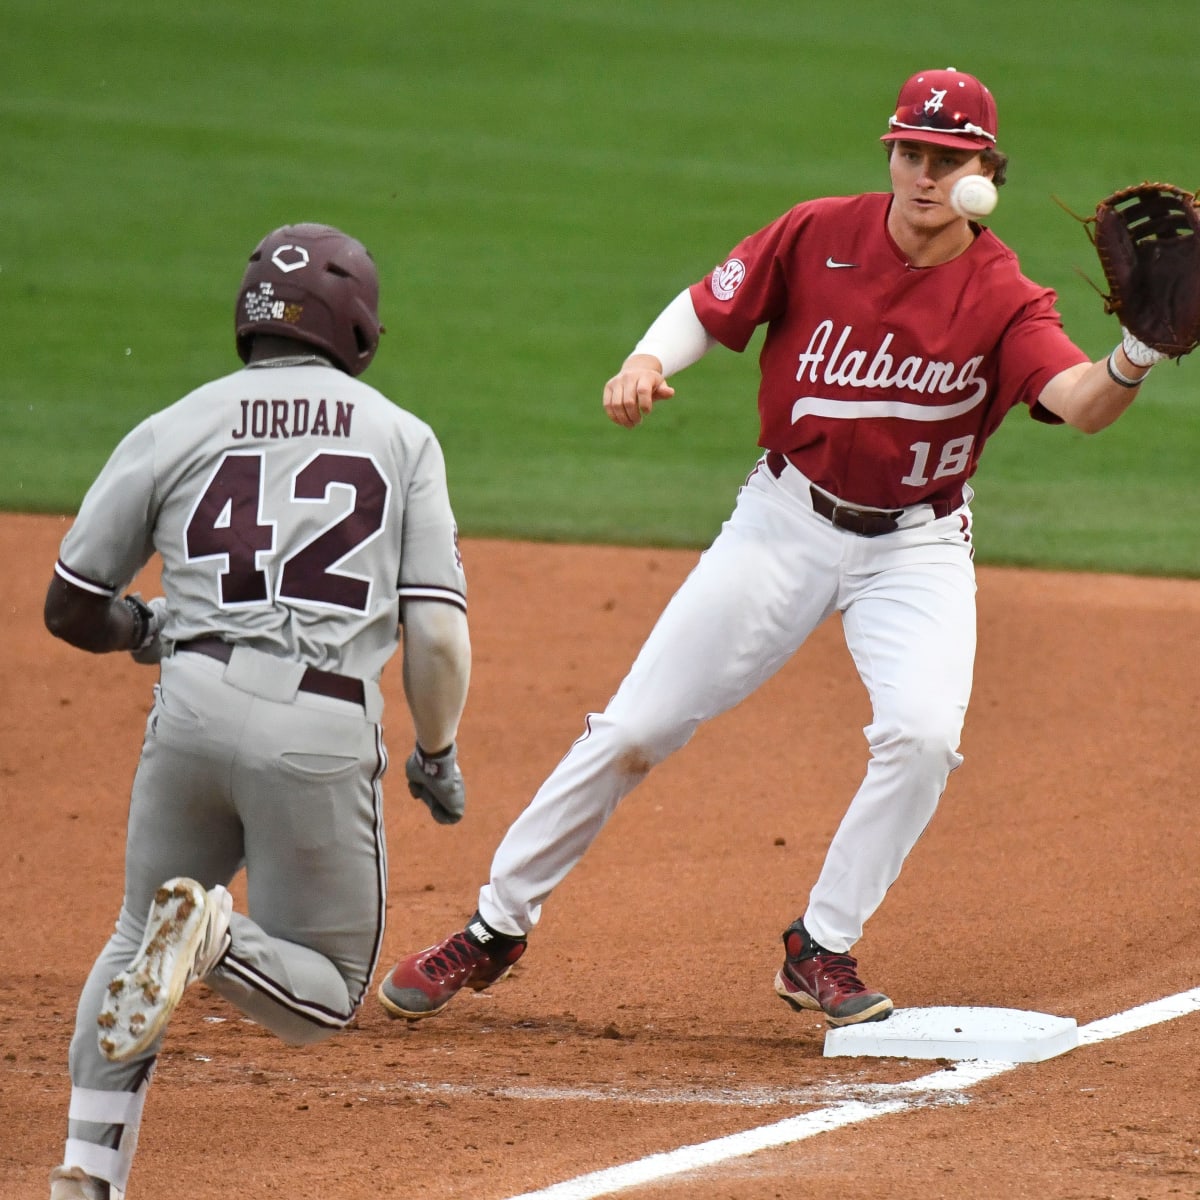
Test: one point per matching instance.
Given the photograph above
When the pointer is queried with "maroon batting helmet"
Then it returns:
(315, 284)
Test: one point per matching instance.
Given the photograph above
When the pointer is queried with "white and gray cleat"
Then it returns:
(187, 933)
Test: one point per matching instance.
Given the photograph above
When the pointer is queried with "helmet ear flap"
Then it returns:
(313, 284)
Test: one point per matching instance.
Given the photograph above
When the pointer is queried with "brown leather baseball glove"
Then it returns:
(1148, 240)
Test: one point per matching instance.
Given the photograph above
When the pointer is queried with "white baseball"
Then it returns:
(973, 196)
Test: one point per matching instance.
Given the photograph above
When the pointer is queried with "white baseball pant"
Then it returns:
(775, 572)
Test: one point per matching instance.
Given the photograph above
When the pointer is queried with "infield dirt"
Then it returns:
(1059, 875)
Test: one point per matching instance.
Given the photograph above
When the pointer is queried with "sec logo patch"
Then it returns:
(727, 279)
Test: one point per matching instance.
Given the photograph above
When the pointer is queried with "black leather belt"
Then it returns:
(320, 683)
(866, 522)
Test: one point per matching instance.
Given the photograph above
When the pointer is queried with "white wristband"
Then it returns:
(1117, 375)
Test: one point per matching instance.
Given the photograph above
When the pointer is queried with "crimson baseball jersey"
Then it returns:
(881, 381)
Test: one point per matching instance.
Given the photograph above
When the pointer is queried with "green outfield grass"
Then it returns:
(536, 179)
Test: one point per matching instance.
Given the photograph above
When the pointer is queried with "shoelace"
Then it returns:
(453, 955)
(842, 971)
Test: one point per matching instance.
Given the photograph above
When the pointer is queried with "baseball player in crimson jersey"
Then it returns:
(299, 516)
(898, 335)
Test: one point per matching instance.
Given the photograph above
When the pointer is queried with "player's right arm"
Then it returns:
(436, 641)
(436, 644)
(634, 390)
(436, 670)
(675, 340)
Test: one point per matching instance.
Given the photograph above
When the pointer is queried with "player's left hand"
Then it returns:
(1138, 353)
(1148, 240)
(435, 780)
(634, 390)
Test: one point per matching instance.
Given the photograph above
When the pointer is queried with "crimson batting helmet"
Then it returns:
(316, 284)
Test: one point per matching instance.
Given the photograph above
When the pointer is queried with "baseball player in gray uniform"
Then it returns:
(301, 519)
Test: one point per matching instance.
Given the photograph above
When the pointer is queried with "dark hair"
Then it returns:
(989, 156)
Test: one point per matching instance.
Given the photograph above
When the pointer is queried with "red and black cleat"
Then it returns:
(818, 979)
(422, 984)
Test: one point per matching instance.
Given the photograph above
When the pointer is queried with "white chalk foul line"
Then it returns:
(849, 1112)
(1141, 1017)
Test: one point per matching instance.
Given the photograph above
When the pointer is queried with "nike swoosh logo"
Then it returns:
(833, 264)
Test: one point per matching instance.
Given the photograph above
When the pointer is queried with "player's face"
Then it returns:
(922, 176)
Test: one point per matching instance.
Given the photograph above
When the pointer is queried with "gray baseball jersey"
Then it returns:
(292, 506)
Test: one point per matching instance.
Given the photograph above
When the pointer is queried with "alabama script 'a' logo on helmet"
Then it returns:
(727, 279)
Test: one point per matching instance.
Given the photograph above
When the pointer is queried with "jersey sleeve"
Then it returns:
(111, 538)
(750, 287)
(431, 566)
(1035, 348)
